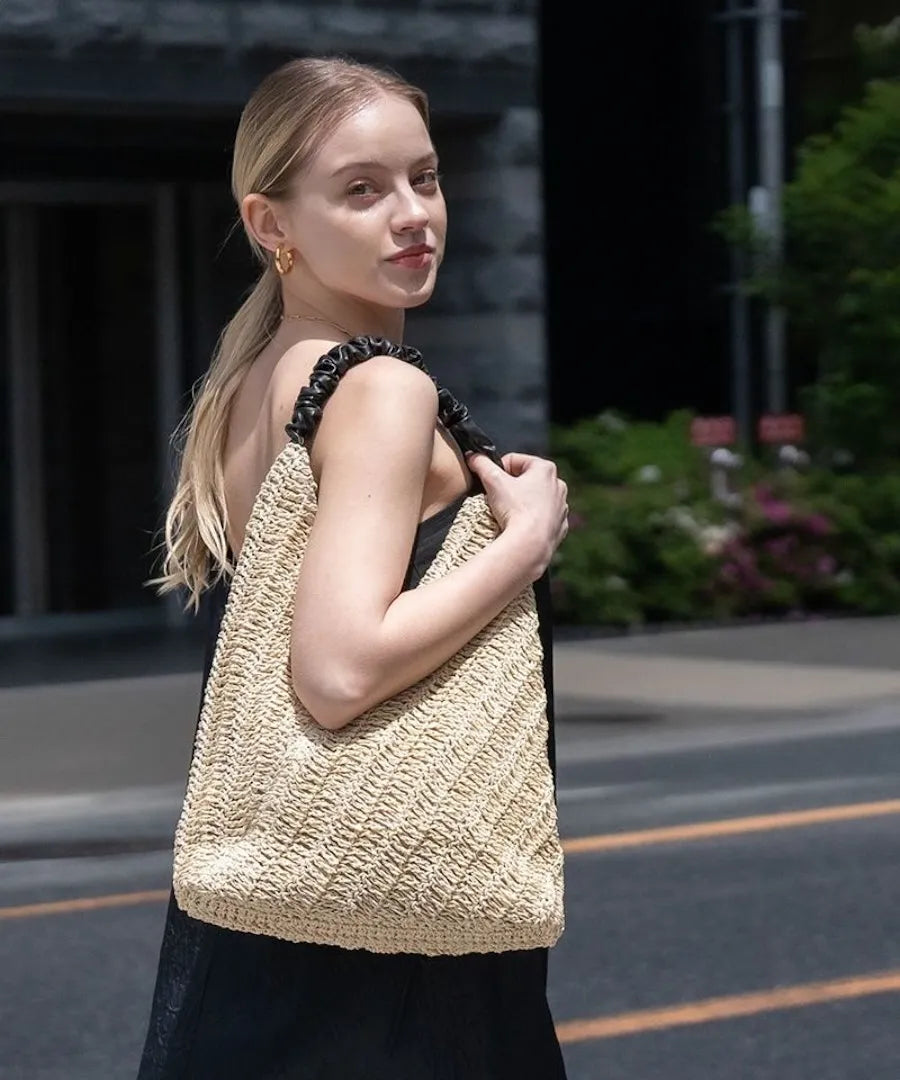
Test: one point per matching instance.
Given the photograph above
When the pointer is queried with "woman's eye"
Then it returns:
(428, 178)
(361, 187)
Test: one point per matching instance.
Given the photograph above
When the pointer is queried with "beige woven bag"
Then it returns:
(427, 825)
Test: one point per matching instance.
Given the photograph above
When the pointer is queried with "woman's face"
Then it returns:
(368, 217)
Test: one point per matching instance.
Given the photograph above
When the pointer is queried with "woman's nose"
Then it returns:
(411, 214)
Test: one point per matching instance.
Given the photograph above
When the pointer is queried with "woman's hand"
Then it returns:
(526, 496)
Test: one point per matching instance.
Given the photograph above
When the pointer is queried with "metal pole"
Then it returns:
(739, 315)
(770, 82)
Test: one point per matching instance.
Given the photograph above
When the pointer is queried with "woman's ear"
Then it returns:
(261, 221)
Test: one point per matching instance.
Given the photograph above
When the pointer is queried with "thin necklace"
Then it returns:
(321, 319)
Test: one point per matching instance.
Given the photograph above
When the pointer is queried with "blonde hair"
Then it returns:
(282, 125)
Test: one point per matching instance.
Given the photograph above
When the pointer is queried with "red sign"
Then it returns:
(713, 431)
(781, 428)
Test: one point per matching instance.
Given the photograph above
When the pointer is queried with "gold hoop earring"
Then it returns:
(284, 260)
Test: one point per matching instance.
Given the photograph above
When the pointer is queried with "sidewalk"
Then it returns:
(100, 761)
(784, 667)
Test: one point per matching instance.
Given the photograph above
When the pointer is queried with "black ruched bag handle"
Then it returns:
(336, 362)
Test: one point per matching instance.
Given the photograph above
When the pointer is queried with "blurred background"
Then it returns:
(673, 266)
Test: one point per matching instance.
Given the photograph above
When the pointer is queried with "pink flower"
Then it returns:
(778, 512)
(729, 573)
(781, 546)
(818, 524)
(744, 557)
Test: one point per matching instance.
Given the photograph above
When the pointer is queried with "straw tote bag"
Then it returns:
(428, 824)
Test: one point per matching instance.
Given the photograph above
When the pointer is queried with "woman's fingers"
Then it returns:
(515, 464)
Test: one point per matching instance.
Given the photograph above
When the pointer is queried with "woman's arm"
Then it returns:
(357, 638)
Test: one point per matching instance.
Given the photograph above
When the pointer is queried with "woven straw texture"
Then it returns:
(427, 825)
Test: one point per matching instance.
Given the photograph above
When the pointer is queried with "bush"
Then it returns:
(648, 544)
(783, 558)
(632, 556)
(612, 449)
(865, 512)
(642, 530)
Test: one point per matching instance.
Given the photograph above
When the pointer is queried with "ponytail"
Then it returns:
(195, 537)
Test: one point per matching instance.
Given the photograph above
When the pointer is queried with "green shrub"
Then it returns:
(865, 511)
(783, 558)
(612, 449)
(639, 495)
(648, 544)
(632, 556)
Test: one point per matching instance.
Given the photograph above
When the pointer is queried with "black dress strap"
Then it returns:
(336, 362)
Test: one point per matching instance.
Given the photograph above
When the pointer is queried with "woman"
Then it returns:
(336, 178)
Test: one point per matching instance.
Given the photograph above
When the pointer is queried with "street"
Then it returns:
(779, 933)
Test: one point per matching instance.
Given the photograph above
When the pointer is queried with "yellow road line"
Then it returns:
(707, 830)
(728, 1008)
(702, 830)
(84, 903)
(603, 1027)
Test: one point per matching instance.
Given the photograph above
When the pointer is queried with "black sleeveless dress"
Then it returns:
(235, 1006)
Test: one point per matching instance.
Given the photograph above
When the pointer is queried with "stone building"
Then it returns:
(119, 261)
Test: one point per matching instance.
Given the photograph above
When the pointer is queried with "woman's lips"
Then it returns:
(415, 258)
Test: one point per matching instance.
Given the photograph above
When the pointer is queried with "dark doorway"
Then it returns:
(633, 175)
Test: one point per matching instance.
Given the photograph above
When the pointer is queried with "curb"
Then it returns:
(571, 633)
(139, 819)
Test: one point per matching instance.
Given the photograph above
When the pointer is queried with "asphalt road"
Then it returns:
(778, 936)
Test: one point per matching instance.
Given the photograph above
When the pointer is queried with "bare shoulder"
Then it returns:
(290, 375)
(384, 380)
(386, 376)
